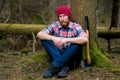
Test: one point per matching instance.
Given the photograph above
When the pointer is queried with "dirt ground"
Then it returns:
(10, 69)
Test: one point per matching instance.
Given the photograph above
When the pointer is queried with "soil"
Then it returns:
(10, 69)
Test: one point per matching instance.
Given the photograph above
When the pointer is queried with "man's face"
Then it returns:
(64, 20)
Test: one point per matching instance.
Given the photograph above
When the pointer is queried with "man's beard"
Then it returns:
(64, 24)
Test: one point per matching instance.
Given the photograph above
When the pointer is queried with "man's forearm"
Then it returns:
(44, 36)
(77, 40)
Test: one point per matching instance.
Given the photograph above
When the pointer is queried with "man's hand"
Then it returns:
(57, 41)
(65, 40)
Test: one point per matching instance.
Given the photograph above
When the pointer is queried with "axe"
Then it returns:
(87, 63)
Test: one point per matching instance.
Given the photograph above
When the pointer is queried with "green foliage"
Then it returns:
(8, 66)
(37, 20)
(24, 51)
(41, 57)
(35, 62)
(84, 53)
(3, 42)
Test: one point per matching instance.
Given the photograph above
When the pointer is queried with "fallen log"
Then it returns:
(108, 33)
(20, 28)
(28, 28)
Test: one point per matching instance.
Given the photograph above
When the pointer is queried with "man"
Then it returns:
(62, 39)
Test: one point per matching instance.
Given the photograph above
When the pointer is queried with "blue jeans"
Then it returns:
(63, 56)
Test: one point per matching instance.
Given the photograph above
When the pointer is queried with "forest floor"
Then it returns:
(10, 69)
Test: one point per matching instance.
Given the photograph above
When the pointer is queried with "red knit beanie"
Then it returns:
(64, 10)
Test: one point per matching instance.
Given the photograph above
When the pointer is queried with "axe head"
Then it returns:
(84, 64)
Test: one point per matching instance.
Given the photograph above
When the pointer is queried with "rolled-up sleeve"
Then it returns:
(48, 29)
(81, 31)
(83, 34)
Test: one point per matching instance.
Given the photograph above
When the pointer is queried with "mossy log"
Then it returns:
(108, 33)
(28, 28)
(20, 28)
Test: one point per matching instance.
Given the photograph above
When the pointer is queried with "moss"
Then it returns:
(35, 62)
(41, 57)
(24, 51)
(116, 71)
(98, 58)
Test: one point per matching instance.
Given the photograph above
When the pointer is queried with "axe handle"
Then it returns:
(88, 50)
(87, 45)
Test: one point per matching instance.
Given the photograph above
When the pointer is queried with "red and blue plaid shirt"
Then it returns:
(73, 30)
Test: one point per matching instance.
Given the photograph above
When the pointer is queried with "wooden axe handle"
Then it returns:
(88, 44)
(88, 50)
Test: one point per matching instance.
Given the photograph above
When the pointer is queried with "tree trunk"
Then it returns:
(115, 14)
(80, 9)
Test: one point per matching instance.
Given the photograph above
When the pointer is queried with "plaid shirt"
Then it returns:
(73, 30)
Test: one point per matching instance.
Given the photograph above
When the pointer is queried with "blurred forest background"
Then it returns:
(17, 64)
(43, 12)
